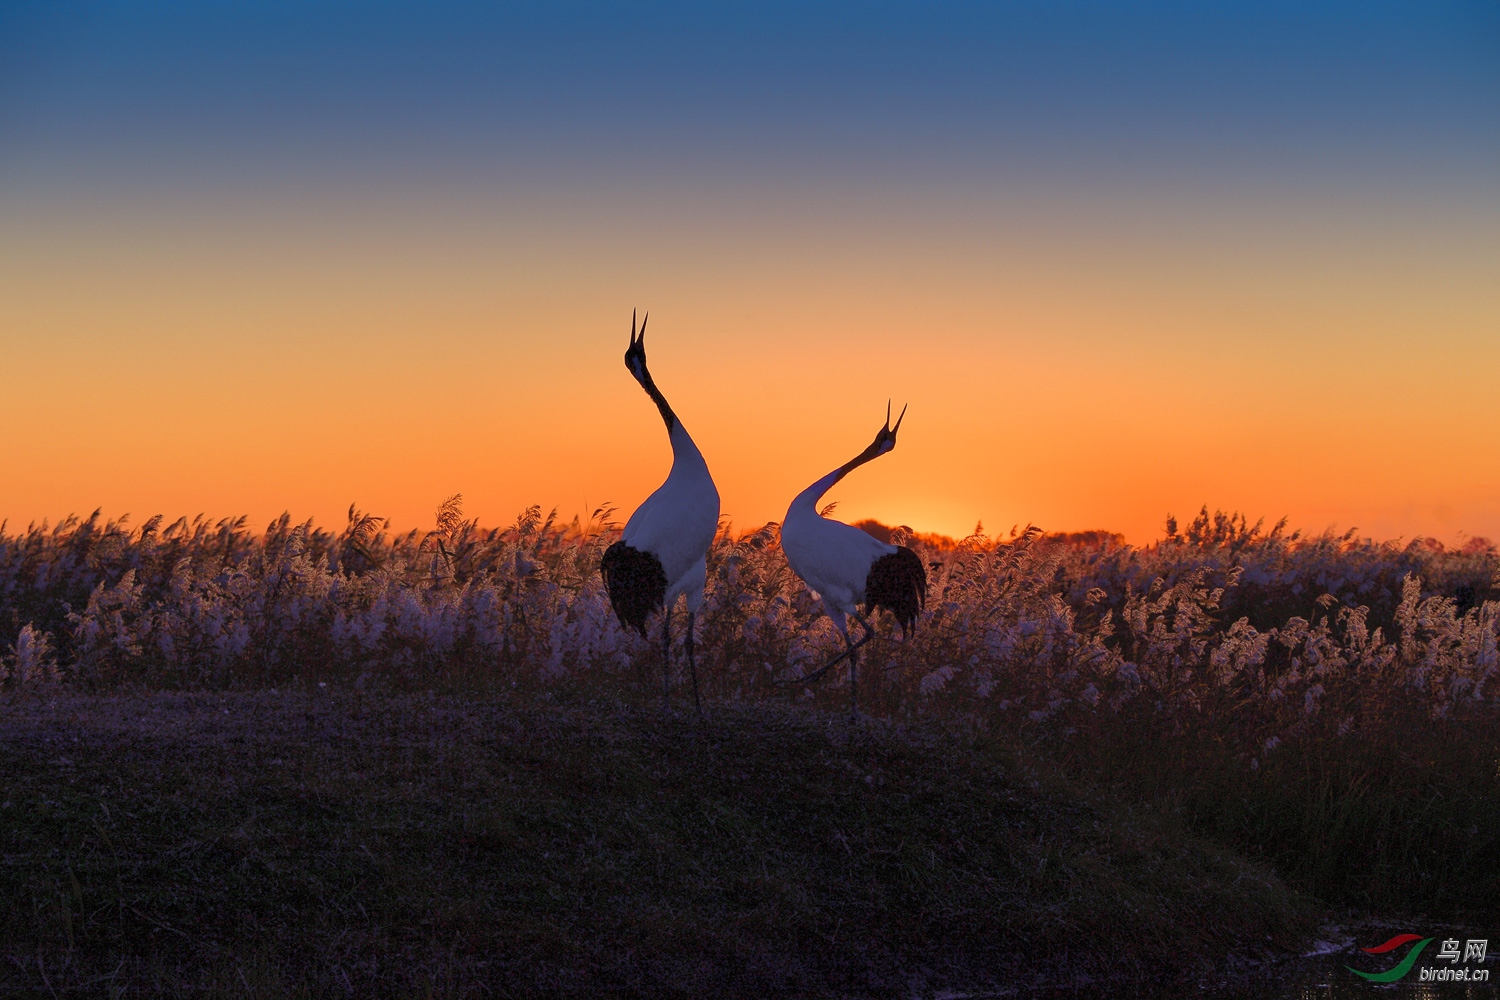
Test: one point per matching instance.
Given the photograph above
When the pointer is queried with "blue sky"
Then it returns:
(1372, 93)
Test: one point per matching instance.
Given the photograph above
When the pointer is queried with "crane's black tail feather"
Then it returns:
(636, 583)
(898, 581)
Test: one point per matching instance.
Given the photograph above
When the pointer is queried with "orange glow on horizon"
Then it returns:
(1082, 380)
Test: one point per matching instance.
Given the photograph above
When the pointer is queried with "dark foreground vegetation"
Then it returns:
(1326, 707)
(321, 843)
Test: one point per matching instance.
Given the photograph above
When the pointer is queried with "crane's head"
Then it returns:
(635, 355)
(886, 439)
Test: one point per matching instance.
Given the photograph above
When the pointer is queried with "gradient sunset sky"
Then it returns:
(1121, 260)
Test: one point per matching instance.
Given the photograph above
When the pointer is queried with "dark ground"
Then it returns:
(328, 842)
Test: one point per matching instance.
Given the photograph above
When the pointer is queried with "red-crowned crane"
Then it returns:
(845, 567)
(663, 552)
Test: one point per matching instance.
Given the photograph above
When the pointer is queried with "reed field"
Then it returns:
(1227, 731)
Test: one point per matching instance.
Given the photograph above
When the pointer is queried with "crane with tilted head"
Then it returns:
(663, 552)
(846, 567)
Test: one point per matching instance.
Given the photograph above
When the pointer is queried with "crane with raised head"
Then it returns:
(846, 567)
(663, 552)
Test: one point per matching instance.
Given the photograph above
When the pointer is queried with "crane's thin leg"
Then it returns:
(864, 625)
(693, 667)
(666, 660)
(851, 648)
(854, 664)
(853, 681)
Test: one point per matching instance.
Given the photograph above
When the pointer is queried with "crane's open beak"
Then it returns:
(635, 355)
(885, 439)
(888, 431)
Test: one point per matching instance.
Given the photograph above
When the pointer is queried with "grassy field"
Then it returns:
(329, 841)
(1090, 760)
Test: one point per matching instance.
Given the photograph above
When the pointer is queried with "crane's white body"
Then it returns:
(835, 559)
(677, 523)
(831, 557)
(663, 553)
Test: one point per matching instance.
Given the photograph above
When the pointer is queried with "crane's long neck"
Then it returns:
(809, 497)
(686, 458)
(649, 384)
